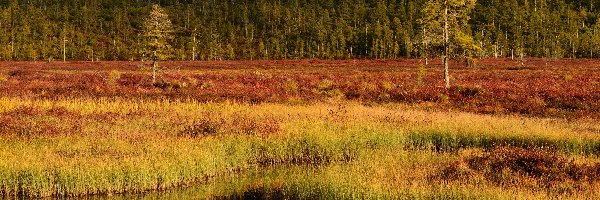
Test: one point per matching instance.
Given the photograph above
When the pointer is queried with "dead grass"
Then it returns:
(215, 124)
(532, 168)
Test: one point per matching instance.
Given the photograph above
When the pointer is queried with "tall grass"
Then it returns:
(136, 146)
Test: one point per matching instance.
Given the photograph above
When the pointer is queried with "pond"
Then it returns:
(282, 182)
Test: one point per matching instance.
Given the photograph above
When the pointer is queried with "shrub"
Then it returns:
(162, 85)
(443, 98)
(211, 124)
(167, 85)
(368, 87)
(113, 77)
(471, 62)
(324, 85)
(190, 81)
(468, 91)
(326, 88)
(31, 122)
(3, 77)
(21, 127)
(506, 165)
(133, 80)
(20, 73)
(291, 87)
(207, 85)
(568, 77)
(388, 86)
(201, 128)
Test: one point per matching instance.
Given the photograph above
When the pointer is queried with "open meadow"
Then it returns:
(301, 129)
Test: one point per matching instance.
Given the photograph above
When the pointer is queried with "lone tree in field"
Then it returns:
(446, 23)
(158, 32)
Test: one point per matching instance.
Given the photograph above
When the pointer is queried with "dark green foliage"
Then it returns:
(290, 29)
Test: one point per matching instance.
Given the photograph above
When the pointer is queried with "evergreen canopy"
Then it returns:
(289, 29)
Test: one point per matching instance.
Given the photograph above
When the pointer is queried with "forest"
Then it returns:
(32, 30)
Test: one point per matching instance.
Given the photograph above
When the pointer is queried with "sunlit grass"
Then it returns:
(383, 151)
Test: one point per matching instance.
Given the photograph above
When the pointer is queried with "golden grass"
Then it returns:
(387, 151)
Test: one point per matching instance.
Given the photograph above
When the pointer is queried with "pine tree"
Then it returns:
(447, 23)
(158, 32)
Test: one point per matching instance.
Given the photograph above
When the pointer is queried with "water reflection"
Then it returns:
(289, 182)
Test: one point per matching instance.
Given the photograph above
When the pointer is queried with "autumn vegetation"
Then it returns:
(436, 99)
(300, 129)
(543, 88)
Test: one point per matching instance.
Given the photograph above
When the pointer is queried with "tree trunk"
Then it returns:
(194, 47)
(154, 68)
(446, 47)
(64, 49)
(496, 50)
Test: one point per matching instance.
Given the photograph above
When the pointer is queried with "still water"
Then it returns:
(289, 182)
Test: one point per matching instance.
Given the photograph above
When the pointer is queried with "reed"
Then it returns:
(349, 150)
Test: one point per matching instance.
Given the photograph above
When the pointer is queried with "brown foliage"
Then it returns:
(559, 88)
(512, 166)
(31, 122)
(214, 124)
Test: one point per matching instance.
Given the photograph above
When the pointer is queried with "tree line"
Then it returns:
(291, 29)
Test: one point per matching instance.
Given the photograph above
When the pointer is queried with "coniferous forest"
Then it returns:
(289, 29)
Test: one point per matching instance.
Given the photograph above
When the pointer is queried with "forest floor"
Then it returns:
(306, 129)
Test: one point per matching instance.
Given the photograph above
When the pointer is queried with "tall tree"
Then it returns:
(447, 23)
(158, 32)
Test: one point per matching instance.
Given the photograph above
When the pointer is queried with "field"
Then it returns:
(538, 87)
(301, 129)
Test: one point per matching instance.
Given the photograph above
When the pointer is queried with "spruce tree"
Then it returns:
(158, 32)
(447, 23)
